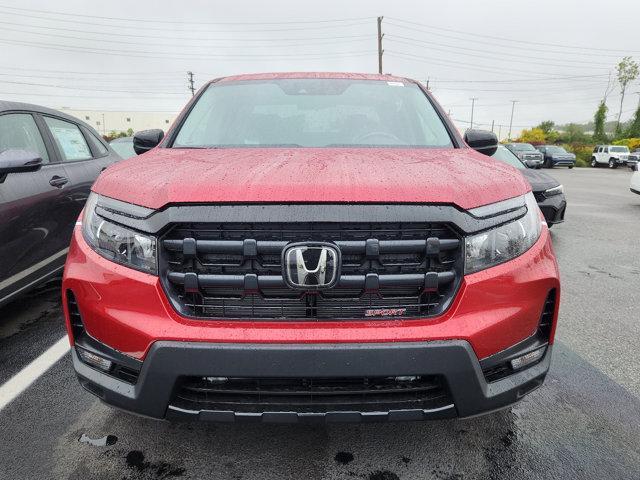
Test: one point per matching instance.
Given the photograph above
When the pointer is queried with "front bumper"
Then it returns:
(153, 394)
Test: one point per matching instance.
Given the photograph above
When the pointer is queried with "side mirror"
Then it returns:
(482, 141)
(146, 140)
(15, 161)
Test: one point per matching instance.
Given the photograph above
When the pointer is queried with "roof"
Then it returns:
(6, 106)
(336, 75)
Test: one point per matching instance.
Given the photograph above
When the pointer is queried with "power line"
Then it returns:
(186, 56)
(526, 42)
(178, 22)
(416, 42)
(93, 24)
(181, 45)
(202, 39)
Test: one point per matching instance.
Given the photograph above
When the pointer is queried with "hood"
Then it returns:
(539, 180)
(319, 175)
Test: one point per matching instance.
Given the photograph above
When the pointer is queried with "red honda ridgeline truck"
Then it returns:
(308, 247)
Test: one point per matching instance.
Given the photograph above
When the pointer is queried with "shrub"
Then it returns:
(632, 143)
(582, 153)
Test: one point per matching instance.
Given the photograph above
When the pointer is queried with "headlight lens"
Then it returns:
(550, 192)
(501, 244)
(117, 243)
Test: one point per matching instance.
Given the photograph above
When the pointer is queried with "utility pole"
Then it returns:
(380, 50)
(428, 78)
(473, 103)
(492, 124)
(513, 106)
(190, 80)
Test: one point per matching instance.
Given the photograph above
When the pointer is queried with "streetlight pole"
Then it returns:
(513, 106)
(473, 103)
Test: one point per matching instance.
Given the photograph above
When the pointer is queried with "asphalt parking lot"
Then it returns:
(584, 423)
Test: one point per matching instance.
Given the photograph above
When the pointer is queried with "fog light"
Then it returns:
(528, 358)
(94, 360)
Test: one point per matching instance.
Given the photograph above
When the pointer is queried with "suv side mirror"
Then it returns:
(146, 140)
(482, 141)
(15, 160)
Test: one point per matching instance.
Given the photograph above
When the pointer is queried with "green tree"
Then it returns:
(627, 72)
(634, 128)
(547, 126)
(573, 134)
(599, 120)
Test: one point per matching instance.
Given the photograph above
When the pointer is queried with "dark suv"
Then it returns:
(48, 162)
(555, 156)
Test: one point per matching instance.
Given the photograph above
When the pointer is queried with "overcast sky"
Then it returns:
(134, 55)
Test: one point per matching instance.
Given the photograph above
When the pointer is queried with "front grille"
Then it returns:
(311, 395)
(539, 196)
(388, 270)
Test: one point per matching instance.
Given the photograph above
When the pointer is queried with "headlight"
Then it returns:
(503, 243)
(117, 243)
(550, 192)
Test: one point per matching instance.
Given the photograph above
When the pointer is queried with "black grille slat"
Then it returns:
(234, 270)
(311, 394)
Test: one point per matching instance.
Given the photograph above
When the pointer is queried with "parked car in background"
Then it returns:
(526, 152)
(555, 156)
(547, 190)
(48, 162)
(123, 147)
(633, 159)
(611, 155)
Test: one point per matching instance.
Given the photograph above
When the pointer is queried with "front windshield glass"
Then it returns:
(619, 149)
(503, 154)
(523, 147)
(312, 113)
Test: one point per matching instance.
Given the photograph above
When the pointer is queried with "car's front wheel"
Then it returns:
(570, 167)
(612, 163)
(594, 163)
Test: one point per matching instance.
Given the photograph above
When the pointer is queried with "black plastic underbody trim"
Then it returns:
(167, 361)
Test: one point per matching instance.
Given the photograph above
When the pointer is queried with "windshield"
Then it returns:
(523, 147)
(503, 154)
(619, 149)
(312, 113)
(556, 150)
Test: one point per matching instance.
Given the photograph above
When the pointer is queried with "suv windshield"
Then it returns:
(556, 150)
(312, 113)
(523, 147)
(619, 149)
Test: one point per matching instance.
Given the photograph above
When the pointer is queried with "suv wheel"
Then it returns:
(612, 163)
(594, 163)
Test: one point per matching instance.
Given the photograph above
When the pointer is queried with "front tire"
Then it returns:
(570, 167)
(612, 164)
(594, 163)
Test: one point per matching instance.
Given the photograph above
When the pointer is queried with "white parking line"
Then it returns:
(29, 374)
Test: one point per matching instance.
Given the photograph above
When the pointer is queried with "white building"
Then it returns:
(108, 121)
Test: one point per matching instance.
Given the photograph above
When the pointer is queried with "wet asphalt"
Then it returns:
(584, 423)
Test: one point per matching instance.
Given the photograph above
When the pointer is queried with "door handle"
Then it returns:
(58, 182)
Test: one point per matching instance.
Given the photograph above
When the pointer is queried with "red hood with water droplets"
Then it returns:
(317, 175)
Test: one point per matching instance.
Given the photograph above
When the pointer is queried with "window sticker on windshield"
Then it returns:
(396, 84)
